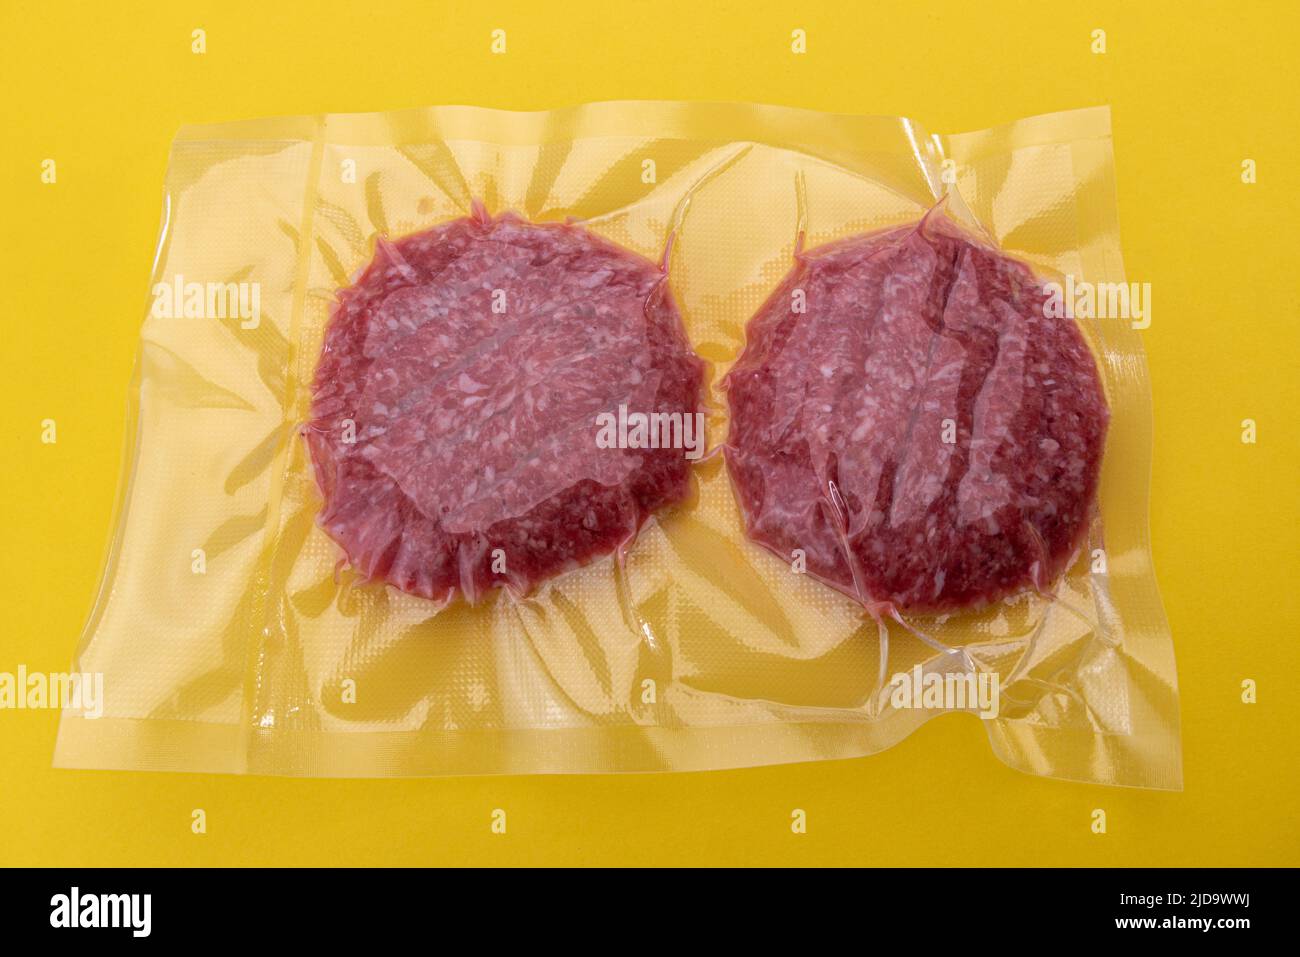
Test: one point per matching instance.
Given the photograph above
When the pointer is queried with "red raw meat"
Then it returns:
(837, 437)
(475, 429)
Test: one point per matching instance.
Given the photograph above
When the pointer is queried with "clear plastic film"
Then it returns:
(233, 636)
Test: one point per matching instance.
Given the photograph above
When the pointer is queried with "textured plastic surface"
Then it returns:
(228, 643)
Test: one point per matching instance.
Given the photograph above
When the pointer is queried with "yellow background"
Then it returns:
(1194, 90)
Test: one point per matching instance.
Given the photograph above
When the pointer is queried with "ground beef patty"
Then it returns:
(455, 403)
(921, 430)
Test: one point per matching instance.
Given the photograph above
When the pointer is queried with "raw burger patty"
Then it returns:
(475, 429)
(837, 437)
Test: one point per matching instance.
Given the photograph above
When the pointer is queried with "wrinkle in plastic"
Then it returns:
(230, 639)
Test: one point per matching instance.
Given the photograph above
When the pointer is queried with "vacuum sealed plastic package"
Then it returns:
(632, 436)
